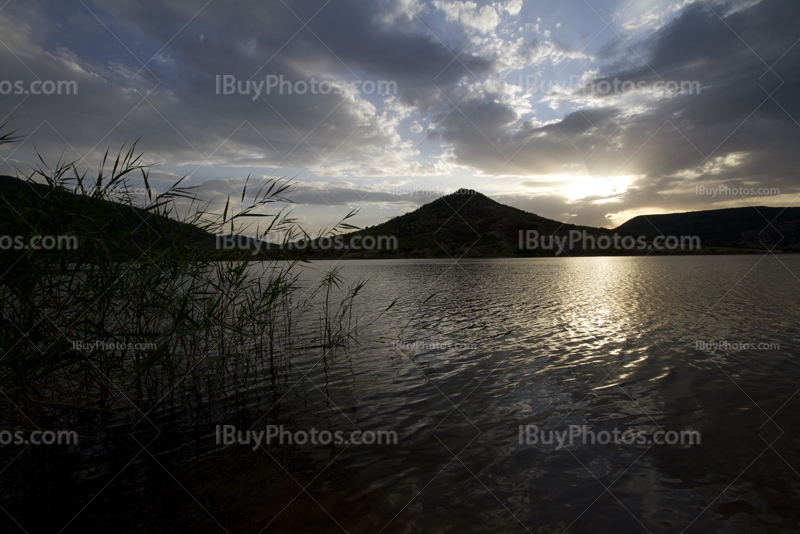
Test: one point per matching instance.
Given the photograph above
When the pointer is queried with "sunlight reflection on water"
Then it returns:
(609, 343)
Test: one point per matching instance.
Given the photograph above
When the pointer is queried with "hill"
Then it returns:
(470, 224)
(751, 227)
(463, 224)
(29, 208)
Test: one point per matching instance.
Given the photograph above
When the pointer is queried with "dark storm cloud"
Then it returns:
(740, 61)
(346, 37)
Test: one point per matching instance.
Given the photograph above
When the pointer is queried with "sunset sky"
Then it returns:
(526, 102)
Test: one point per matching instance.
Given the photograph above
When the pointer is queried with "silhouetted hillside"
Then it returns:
(751, 227)
(59, 211)
(462, 224)
(470, 224)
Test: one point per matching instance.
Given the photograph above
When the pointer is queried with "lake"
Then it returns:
(624, 394)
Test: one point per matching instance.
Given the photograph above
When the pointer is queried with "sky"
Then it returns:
(589, 112)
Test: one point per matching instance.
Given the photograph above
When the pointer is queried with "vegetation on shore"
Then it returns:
(145, 302)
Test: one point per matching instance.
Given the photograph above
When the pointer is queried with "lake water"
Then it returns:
(591, 345)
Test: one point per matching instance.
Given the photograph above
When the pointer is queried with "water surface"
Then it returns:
(609, 343)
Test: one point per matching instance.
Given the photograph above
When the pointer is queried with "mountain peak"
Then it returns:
(465, 191)
(464, 195)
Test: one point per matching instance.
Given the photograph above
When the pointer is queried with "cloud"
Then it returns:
(452, 107)
(484, 20)
(129, 87)
(513, 7)
(749, 103)
(318, 193)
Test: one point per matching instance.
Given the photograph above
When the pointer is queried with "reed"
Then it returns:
(147, 302)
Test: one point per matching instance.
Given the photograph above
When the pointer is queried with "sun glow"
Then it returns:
(603, 189)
